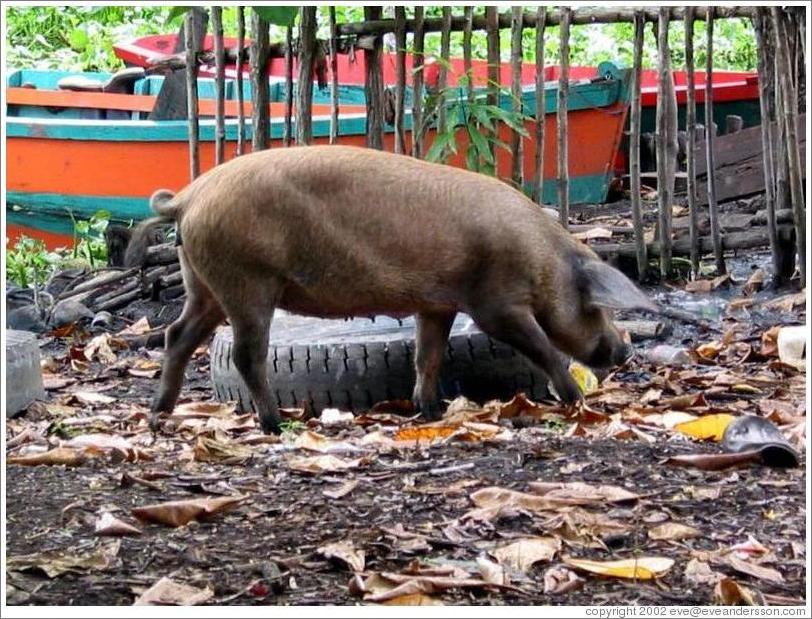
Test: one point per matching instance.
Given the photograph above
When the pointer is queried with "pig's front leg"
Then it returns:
(430, 344)
(517, 327)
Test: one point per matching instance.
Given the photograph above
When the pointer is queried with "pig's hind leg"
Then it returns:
(201, 314)
(251, 323)
(430, 345)
(517, 327)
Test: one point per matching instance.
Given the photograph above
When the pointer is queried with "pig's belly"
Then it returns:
(334, 303)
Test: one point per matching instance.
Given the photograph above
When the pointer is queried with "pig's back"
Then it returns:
(344, 224)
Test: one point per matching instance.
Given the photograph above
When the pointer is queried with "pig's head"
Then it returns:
(581, 324)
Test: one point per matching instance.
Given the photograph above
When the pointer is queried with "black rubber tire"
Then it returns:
(23, 371)
(353, 364)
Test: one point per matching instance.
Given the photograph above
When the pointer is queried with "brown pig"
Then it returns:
(336, 231)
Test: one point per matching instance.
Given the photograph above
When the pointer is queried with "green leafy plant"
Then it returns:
(29, 264)
(476, 119)
(291, 428)
(88, 238)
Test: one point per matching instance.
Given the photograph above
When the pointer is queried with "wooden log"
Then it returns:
(789, 121)
(691, 133)
(191, 96)
(494, 60)
(466, 50)
(118, 301)
(563, 98)
(713, 206)
(333, 75)
(287, 123)
(99, 281)
(417, 81)
(373, 86)
(634, 149)
(219, 84)
(745, 239)
(165, 253)
(240, 91)
(538, 162)
(171, 294)
(125, 287)
(260, 91)
(666, 140)
(308, 23)
(517, 158)
(766, 94)
(581, 15)
(640, 330)
(400, 87)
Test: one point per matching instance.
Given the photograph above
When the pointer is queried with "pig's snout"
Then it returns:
(610, 352)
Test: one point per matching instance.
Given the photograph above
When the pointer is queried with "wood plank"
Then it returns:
(739, 163)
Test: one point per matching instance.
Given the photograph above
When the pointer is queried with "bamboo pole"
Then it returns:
(308, 23)
(333, 76)
(765, 94)
(442, 80)
(287, 126)
(789, 113)
(417, 81)
(400, 89)
(579, 16)
(240, 92)
(713, 207)
(690, 129)
(516, 93)
(634, 149)
(541, 107)
(260, 93)
(191, 95)
(494, 66)
(373, 85)
(466, 50)
(219, 84)
(666, 140)
(563, 98)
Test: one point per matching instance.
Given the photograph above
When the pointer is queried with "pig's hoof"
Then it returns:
(270, 425)
(429, 411)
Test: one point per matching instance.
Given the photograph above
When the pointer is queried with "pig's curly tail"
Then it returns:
(163, 203)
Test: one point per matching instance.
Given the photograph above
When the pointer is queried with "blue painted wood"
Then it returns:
(81, 207)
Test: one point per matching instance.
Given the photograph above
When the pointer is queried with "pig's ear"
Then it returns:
(607, 287)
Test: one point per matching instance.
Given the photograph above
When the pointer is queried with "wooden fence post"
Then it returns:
(466, 50)
(308, 23)
(400, 88)
(541, 106)
(765, 81)
(516, 26)
(442, 80)
(260, 93)
(240, 92)
(713, 207)
(417, 84)
(634, 148)
(690, 129)
(373, 85)
(789, 113)
(563, 99)
(666, 140)
(219, 84)
(333, 76)
(287, 126)
(191, 95)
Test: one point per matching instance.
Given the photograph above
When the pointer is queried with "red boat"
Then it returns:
(734, 92)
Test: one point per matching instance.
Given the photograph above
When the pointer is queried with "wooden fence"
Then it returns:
(775, 28)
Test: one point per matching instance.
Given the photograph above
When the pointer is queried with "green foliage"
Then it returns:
(89, 243)
(291, 428)
(477, 119)
(80, 38)
(29, 263)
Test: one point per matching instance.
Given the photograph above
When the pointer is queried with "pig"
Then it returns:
(337, 231)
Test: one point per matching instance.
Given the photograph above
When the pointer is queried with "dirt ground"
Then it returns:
(430, 509)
